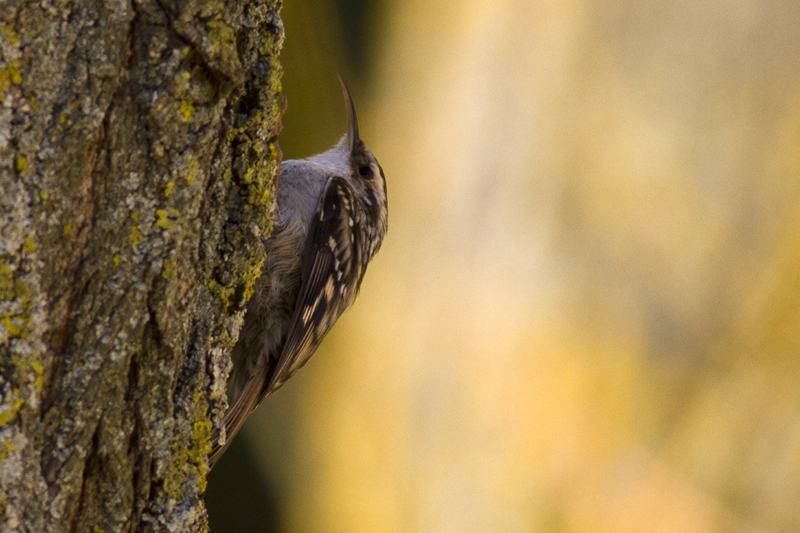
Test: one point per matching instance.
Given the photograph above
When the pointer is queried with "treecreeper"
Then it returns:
(330, 222)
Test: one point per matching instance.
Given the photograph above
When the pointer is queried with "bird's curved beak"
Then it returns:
(352, 119)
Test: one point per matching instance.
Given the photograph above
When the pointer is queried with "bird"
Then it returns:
(331, 219)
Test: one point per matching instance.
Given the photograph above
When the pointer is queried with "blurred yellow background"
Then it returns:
(586, 314)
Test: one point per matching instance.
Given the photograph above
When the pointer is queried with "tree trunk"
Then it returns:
(137, 159)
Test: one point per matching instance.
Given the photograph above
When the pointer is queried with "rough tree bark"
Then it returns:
(137, 161)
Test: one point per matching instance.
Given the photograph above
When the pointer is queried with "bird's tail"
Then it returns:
(245, 403)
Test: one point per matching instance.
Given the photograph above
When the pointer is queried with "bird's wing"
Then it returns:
(331, 275)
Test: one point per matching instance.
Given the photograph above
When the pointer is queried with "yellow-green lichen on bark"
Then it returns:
(187, 110)
(136, 235)
(167, 218)
(15, 299)
(251, 277)
(9, 75)
(6, 281)
(30, 244)
(9, 409)
(188, 167)
(9, 36)
(5, 448)
(189, 457)
(169, 269)
(222, 292)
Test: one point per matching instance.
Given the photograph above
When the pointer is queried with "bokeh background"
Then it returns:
(586, 314)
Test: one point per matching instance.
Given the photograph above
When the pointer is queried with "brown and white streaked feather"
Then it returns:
(332, 275)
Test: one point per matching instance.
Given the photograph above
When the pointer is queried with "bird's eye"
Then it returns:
(365, 172)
